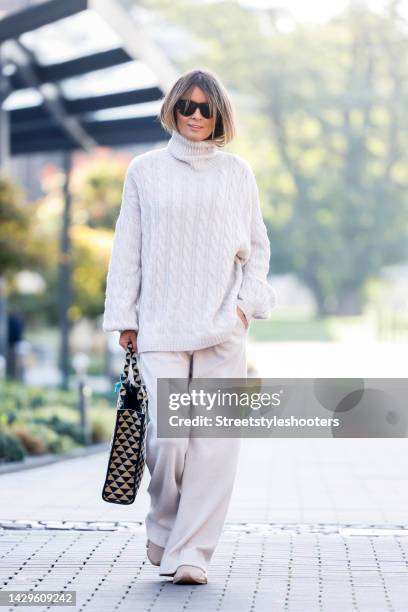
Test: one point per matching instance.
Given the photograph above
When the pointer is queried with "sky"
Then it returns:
(310, 10)
(316, 11)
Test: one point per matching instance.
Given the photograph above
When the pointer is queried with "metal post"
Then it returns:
(84, 393)
(4, 118)
(80, 363)
(4, 161)
(65, 276)
(3, 322)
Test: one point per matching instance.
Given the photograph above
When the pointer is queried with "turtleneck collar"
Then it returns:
(199, 154)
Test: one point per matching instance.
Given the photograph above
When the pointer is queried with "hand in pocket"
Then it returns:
(242, 317)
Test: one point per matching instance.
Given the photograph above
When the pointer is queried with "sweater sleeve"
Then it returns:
(124, 273)
(256, 297)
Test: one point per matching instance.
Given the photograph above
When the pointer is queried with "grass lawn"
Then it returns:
(298, 329)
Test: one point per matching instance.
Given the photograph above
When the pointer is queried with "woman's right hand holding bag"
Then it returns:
(125, 336)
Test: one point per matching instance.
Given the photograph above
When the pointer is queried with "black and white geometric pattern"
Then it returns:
(127, 456)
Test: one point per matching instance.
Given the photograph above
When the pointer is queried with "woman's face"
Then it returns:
(186, 125)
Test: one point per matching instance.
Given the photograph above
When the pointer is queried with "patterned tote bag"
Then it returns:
(127, 455)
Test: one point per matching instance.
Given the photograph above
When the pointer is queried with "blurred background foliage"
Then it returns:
(96, 185)
(320, 116)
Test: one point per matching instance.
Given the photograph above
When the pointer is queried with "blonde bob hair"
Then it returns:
(222, 111)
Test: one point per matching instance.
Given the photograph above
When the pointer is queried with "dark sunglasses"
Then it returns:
(188, 107)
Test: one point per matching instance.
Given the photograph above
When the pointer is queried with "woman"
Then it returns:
(188, 272)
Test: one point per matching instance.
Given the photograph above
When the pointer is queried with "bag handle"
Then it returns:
(131, 360)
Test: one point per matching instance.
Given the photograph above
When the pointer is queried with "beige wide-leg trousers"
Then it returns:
(191, 478)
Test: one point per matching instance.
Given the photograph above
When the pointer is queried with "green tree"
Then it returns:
(336, 116)
(15, 229)
(97, 189)
(32, 236)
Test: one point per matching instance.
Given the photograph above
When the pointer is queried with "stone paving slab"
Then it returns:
(254, 568)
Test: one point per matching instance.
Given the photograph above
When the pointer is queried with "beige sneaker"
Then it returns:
(154, 552)
(190, 574)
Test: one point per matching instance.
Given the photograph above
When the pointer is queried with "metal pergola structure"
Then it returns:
(58, 124)
(62, 124)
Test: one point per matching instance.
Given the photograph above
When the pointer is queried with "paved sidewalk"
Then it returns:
(279, 481)
(251, 570)
(284, 546)
(314, 524)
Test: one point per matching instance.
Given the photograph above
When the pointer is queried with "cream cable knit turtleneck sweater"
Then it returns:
(190, 246)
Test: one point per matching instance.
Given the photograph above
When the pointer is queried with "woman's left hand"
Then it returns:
(242, 316)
